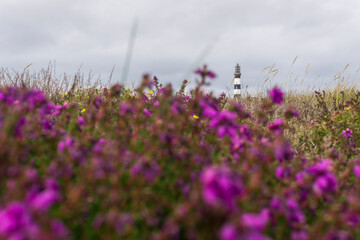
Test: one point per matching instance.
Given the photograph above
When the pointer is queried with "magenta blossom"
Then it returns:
(221, 187)
(67, 143)
(291, 112)
(347, 133)
(16, 222)
(283, 152)
(276, 95)
(357, 171)
(281, 172)
(59, 228)
(256, 221)
(44, 200)
(325, 181)
(229, 232)
(224, 123)
(293, 213)
(320, 167)
(147, 112)
(205, 73)
(81, 121)
(299, 235)
(276, 126)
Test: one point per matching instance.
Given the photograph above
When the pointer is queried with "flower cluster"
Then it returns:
(154, 164)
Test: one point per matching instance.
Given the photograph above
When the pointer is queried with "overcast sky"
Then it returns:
(175, 37)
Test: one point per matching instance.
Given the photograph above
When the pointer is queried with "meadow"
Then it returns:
(80, 159)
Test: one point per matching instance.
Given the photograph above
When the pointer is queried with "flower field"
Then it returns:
(152, 163)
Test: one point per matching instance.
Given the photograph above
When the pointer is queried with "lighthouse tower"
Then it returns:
(237, 81)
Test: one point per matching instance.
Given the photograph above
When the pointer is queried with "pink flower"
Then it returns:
(276, 95)
(357, 171)
(147, 112)
(16, 222)
(81, 121)
(276, 126)
(347, 133)
(256, 221)
(59, 228)
(44, 200)
(228, 232)
(220, 187)
(205, 73)
(325, 183)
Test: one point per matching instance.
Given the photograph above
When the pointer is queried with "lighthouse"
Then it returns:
(237, 81)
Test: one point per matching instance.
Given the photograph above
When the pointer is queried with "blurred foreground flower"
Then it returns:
(221, 187)
(16, 222)
(357, 171)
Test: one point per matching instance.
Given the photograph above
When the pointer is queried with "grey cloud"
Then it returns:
(172, 35)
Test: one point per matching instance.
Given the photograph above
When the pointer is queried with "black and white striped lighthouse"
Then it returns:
(237, 81)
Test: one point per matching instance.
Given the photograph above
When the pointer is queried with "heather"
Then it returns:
(111, 162)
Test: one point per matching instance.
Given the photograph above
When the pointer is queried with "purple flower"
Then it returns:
(44, 200)
(352, 219)
(224, 123)
(281, 172)
(245, 132)
(67, 143)
(205, 73)
(357, 171)
(98, 147)
(61, 146)
(347, 133)
(300, 176)
(276, 95)
(16, 222)
(149, 170)
(294, 213)
(147, 112)
(237, 144)
(256, 221)
(325, 183)
(59, 228)
(97, 102)
(209, 112)
(48, 123)
(57, 109)
(51, 183)
(291, 112)
(126, 109)
(276, 126)
(31, 174)
(254, 235)
(276, 204)
(220, 187)
(283, 152)
(19, 126)
(299, 235)
(229, 232)
(320, 167)
(81, 121)
(12, 218)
